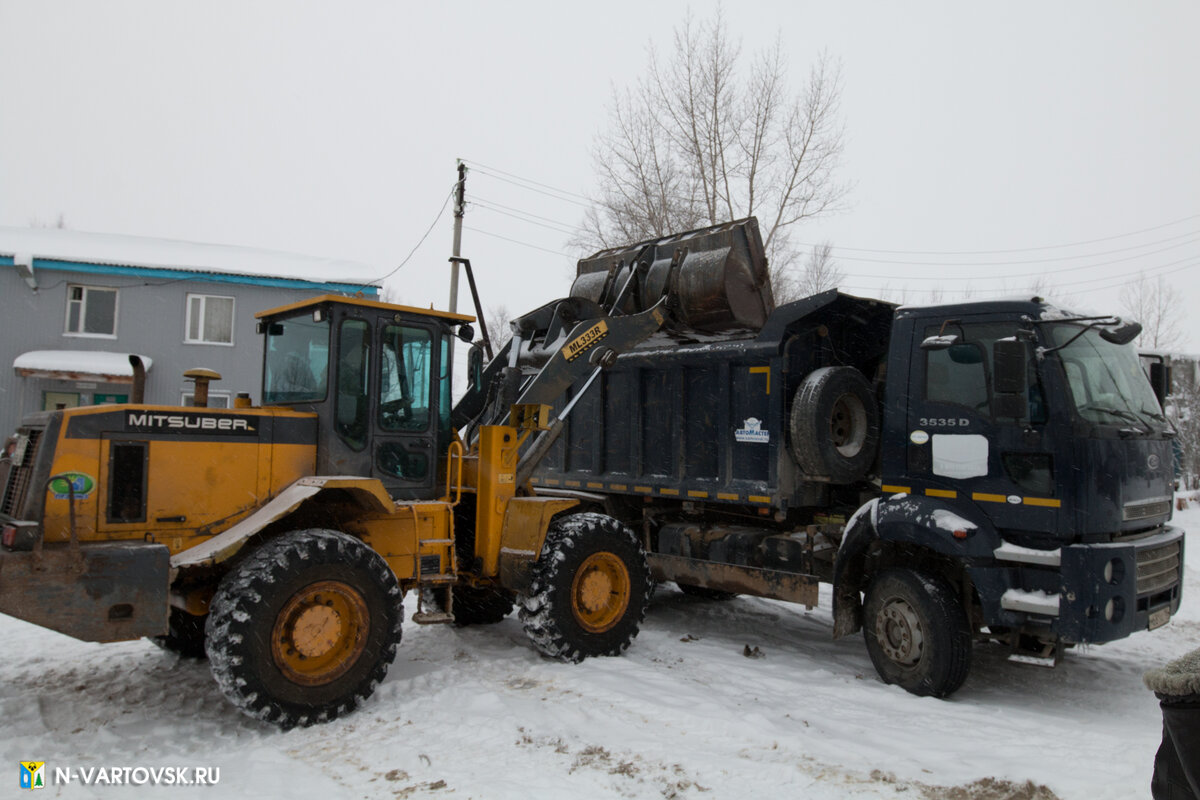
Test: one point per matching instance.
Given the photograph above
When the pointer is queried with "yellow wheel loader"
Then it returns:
(280, 539)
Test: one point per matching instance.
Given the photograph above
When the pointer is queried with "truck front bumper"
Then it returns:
(1095, 593)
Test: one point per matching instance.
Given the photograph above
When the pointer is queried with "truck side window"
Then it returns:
(354, 361)
(962, 373)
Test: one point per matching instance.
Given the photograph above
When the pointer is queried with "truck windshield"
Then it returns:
(1106, 380)
(297, 360)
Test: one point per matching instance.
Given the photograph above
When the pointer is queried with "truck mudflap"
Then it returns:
(1099, 593)
(103, 592)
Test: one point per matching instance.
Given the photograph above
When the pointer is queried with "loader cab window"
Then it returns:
(354, 363)
(297, 360)
(405, 379)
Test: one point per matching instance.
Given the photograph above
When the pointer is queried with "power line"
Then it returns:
(529, 180)
(412, 252)
(579, 203)
(1016, 250)
(518, 241)
(518, 216)
(489, 202)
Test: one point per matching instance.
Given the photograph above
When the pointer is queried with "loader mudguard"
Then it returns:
(522, 536)
(367, 491)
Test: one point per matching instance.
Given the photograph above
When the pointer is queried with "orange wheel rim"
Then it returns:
(320, 633)
(600, 592)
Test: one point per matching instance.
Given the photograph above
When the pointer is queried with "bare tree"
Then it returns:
(1158, 308)
(496, 321)
(701, 140)
(820, 273)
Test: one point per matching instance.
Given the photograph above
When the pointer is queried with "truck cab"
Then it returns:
(1034, 438)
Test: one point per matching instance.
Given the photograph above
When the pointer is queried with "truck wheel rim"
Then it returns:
(848, 425)
(600, 592)
(898, 631)
(320, 633)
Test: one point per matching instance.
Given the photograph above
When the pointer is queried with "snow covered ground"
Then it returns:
(475, 713)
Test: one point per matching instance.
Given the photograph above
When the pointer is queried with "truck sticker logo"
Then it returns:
(64, 483)
(1152, 461)
(149, 421)
(585, 341)
(751, 431)
(918, 437)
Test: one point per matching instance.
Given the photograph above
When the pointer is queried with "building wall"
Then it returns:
(151, 318)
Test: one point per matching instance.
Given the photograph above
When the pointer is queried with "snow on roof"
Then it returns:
(138, 251)
(75, 364)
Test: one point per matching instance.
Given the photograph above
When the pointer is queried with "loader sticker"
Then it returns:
(751, 431)
(64, 484)
(33, 774)
(585, 341)
(151, 422)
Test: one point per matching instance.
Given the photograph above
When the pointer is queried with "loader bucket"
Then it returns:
(718, 275)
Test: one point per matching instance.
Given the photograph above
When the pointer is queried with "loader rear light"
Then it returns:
(9, 537)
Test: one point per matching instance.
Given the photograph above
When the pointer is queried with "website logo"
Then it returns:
(33, 774)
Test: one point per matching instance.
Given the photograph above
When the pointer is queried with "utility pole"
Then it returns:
(460, 208)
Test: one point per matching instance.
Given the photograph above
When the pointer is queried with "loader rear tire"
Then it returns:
(834, 425)
(589, 591)
(185, 635)
(305, 628)
(917, 632)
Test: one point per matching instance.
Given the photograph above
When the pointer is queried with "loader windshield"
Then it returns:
(297, 360)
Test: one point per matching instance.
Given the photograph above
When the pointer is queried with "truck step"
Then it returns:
(439, 578)
(432, 618)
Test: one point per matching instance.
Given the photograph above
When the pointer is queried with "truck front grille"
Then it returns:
(1157, 568)
(1143, 509)
(16, 487)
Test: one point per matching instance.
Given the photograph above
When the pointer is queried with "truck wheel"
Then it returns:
(917, 632)
(589, 589)
(185, 635)
(704, 593)
(834, 424)
(304, 629)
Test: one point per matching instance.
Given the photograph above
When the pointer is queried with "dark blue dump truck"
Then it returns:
(980, 471)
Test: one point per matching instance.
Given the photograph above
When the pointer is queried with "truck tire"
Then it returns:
(834, 424)
(185, 635)
(304, 629)
(917, 632)
(589, 589)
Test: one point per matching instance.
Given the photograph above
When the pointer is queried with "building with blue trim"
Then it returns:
(74, 306)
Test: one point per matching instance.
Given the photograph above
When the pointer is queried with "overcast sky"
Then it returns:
(332, 129)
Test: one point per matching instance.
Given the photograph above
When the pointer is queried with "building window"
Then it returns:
(209, 319)
(91, 311)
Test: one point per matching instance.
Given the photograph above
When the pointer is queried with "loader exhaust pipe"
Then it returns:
(138, 393)
(201, 378)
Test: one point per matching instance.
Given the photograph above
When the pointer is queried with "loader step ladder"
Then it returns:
(435, 588)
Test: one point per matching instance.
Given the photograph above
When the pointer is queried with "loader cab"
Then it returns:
(378, 378)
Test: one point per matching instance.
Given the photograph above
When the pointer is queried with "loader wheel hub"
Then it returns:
(320, 633)
(600, 592)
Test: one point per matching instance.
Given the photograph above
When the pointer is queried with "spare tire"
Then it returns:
(834, 425)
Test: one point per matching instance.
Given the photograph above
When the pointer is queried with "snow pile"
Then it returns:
(476, 713)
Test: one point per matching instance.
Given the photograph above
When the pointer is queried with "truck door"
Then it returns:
(409, 409)
(964, 444)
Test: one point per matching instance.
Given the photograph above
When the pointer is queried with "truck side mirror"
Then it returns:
(1160, 381)
(1009, 378)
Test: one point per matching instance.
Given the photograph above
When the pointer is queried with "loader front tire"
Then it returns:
(305, 628)
(589, 591)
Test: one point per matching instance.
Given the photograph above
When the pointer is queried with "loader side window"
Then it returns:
(297, 360)
(354, 363)
(406, 371)
(127, 482)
